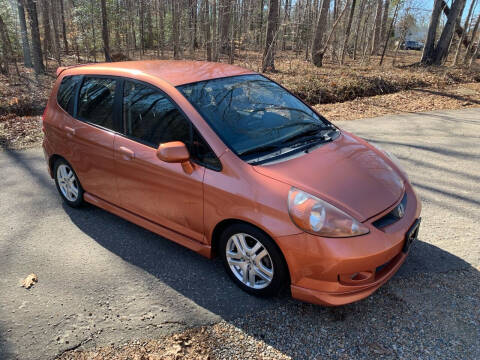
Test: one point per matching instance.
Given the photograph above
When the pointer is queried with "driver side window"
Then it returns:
(151, 118)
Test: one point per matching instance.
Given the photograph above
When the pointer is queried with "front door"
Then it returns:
(161, 192)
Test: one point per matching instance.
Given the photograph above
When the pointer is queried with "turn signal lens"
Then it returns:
(318, 217)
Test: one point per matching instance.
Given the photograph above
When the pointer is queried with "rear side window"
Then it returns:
(66, 93)
(95, 104)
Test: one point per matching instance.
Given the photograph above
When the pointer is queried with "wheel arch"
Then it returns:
(51, 163)
(224, 224)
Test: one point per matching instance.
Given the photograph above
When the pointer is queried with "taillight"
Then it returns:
(44, 112)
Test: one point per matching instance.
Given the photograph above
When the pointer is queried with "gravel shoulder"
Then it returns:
(108, 289)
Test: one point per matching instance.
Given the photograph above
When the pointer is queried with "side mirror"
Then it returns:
(173, 152)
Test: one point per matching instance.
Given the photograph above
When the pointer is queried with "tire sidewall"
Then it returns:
(280, 274)
(79, 200)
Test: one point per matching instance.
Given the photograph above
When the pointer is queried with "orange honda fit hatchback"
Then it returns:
(226, 162)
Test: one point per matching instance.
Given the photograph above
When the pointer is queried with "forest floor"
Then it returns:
(351, 91)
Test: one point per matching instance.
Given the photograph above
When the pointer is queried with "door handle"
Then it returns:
(70, 131)
(127, 154)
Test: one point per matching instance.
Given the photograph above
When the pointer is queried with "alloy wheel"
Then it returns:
(249, 261)
(67, 182)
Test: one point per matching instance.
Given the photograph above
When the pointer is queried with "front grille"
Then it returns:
(393, 216)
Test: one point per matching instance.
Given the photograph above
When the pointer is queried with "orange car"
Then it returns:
(226, 162)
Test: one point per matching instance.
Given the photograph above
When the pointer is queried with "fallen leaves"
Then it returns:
(416, 100)
(29, 281)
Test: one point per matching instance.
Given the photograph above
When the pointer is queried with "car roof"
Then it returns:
(175, 72)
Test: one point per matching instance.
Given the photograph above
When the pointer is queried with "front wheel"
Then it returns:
(68, 184)
(253, 260)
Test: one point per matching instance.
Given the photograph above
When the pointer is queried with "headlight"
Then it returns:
(318, 217)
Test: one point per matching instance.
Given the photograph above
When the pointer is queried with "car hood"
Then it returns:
(347, 172)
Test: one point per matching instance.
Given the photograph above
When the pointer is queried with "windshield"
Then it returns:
(250, 112)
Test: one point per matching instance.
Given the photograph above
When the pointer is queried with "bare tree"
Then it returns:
(64, 27)
(206, 29)
(317, 55)
(27, 58)
(225, 19)
(384, 34)
(272, 27)
(35, 33)
(441, 50)
(377, 28)
(429, 48)
(347, 31)
(357, 32)
(462, 37)
(106, 42)
(175, 29)
(468, 60)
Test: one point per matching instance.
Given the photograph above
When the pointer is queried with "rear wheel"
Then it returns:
(67, 183)
(253, 260)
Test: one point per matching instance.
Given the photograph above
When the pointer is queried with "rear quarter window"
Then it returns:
(66, 93)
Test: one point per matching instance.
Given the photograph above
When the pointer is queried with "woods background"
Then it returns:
(41, 33)
(343, 57)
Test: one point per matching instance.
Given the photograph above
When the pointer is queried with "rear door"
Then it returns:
(91, 136)
(161, 192)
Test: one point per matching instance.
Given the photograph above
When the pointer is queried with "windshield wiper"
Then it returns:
(304, 143)
(263, 149)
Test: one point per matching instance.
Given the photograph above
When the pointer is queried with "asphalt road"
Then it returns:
(103, 280)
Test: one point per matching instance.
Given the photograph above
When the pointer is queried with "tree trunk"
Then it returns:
(64, 27)
(347, 31)
(429, 48)
(317, 55)
(214, 31)
(357, 32)
(225, 19)
(6, 48)
(161, 26)
(286, 20)
(387, 38)
(384, 34)
(47, 36)
(458, 27)
(468, 58)
(206, 29)
(148, 19)
(260, 24)
(462, 37)
(36, 45)
(105, 38)
(27, 58)
(175, 29)
(141, 24)
(475, 54)
(272, 27)
(377, 28)
(92, 18)
(56, 33)
(441, 50)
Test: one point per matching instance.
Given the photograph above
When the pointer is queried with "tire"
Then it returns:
(257, 269)
(67, 183)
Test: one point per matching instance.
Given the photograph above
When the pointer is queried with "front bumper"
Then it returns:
(337, 271)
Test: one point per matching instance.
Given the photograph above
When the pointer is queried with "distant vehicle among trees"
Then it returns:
(411, 45)
(43, 32)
